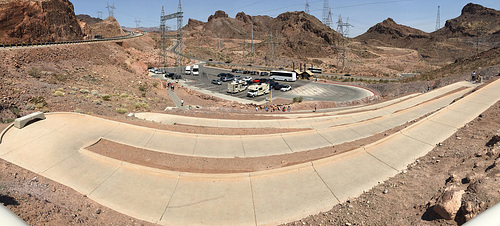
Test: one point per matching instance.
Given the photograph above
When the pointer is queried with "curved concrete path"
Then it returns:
(54, 149)
(310, 120)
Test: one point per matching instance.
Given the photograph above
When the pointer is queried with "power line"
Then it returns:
(99, 14)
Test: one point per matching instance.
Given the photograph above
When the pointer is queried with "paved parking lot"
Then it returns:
(309, 90)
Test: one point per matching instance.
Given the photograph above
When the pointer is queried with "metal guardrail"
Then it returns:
(9, 218)
(6, 46)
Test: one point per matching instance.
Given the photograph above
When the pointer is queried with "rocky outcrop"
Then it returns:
(218, 14)
(108, 28)
(475, 20)
(390, 33)
(38, 21)
(449, 203)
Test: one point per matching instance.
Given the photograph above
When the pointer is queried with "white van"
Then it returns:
(196, 69)
(188, 70)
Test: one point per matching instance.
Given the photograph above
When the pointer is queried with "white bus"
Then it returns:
(315, 70)
(283, 76)
(196, 69)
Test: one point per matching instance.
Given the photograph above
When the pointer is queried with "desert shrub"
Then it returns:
(30, 107)
(58, 94)
(123, 95)
(121, 111)
(34, 73)
(298, 99)
(143, 88)
(106, 97)
(84, 91)
(61, 77)
(155, 84)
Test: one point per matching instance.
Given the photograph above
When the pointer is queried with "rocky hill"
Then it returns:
(38, 21)
(88, 19)
(295, 33)
(108, 28)
(475, 20)
(390, 33)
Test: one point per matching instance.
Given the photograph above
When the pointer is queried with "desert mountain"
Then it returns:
(297, 33)
(38, 21)
(107, 28)
(390, 33)
(474, 20)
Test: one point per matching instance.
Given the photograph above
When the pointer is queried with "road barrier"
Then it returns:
(6, 46)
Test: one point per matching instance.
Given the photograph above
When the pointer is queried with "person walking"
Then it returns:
(288, 108)
(182, 102)
(315, 107)
(473, 79)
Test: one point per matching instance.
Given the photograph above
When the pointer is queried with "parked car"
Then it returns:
(221, 75)
(246, 72)
(254, 73)
(169, 75)
(228, 62)
(347, 75)
(281, 68)
(234, 70)
(273, 84)
(256, 80)
(226, 79)
(248, 78)
(237, 77)
(216, 82)
(264, 73)
(286, 88)
(278, 87)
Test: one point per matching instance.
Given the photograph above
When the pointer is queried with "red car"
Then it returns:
(256, 80)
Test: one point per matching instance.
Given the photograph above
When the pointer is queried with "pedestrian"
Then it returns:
(182, 102)
(288, 108)
(173, 88)
(284, 109)
(315, 108)
(256, 109)
(473, 79)
(267, 110)
(479, 78)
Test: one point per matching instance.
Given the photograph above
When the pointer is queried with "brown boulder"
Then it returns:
(449, 203)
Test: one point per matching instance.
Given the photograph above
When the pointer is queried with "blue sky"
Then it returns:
(362, 14)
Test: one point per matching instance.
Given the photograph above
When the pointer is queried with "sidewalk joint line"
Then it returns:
(110, 175)
(253, 201)
(170, 199)
(375, 157)
(287, 143)
(151, 137)
(321, 178)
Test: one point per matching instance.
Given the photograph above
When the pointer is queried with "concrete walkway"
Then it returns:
(54, 149)
(176, 99)
(314, 121)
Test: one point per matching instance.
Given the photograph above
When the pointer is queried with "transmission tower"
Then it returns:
(111, 9)
(307, 7)
(327, 11)
(329, 21)
(342, 55)
(179, 59)
(163, 45)
(99, 14)
(137, 23)
(438, 19)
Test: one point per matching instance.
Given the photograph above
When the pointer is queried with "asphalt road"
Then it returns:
(309, 90)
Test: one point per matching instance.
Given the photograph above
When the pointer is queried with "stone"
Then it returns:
(98, 211)
(494, 140)
(449, 203)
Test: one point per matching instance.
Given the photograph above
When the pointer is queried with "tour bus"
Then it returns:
(196, 69)
(315, 70)
(286, 76)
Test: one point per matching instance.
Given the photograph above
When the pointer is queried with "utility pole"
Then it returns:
(438, 19)
(163, 45)
(99, 14)
(111, 9)
(307, 7)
